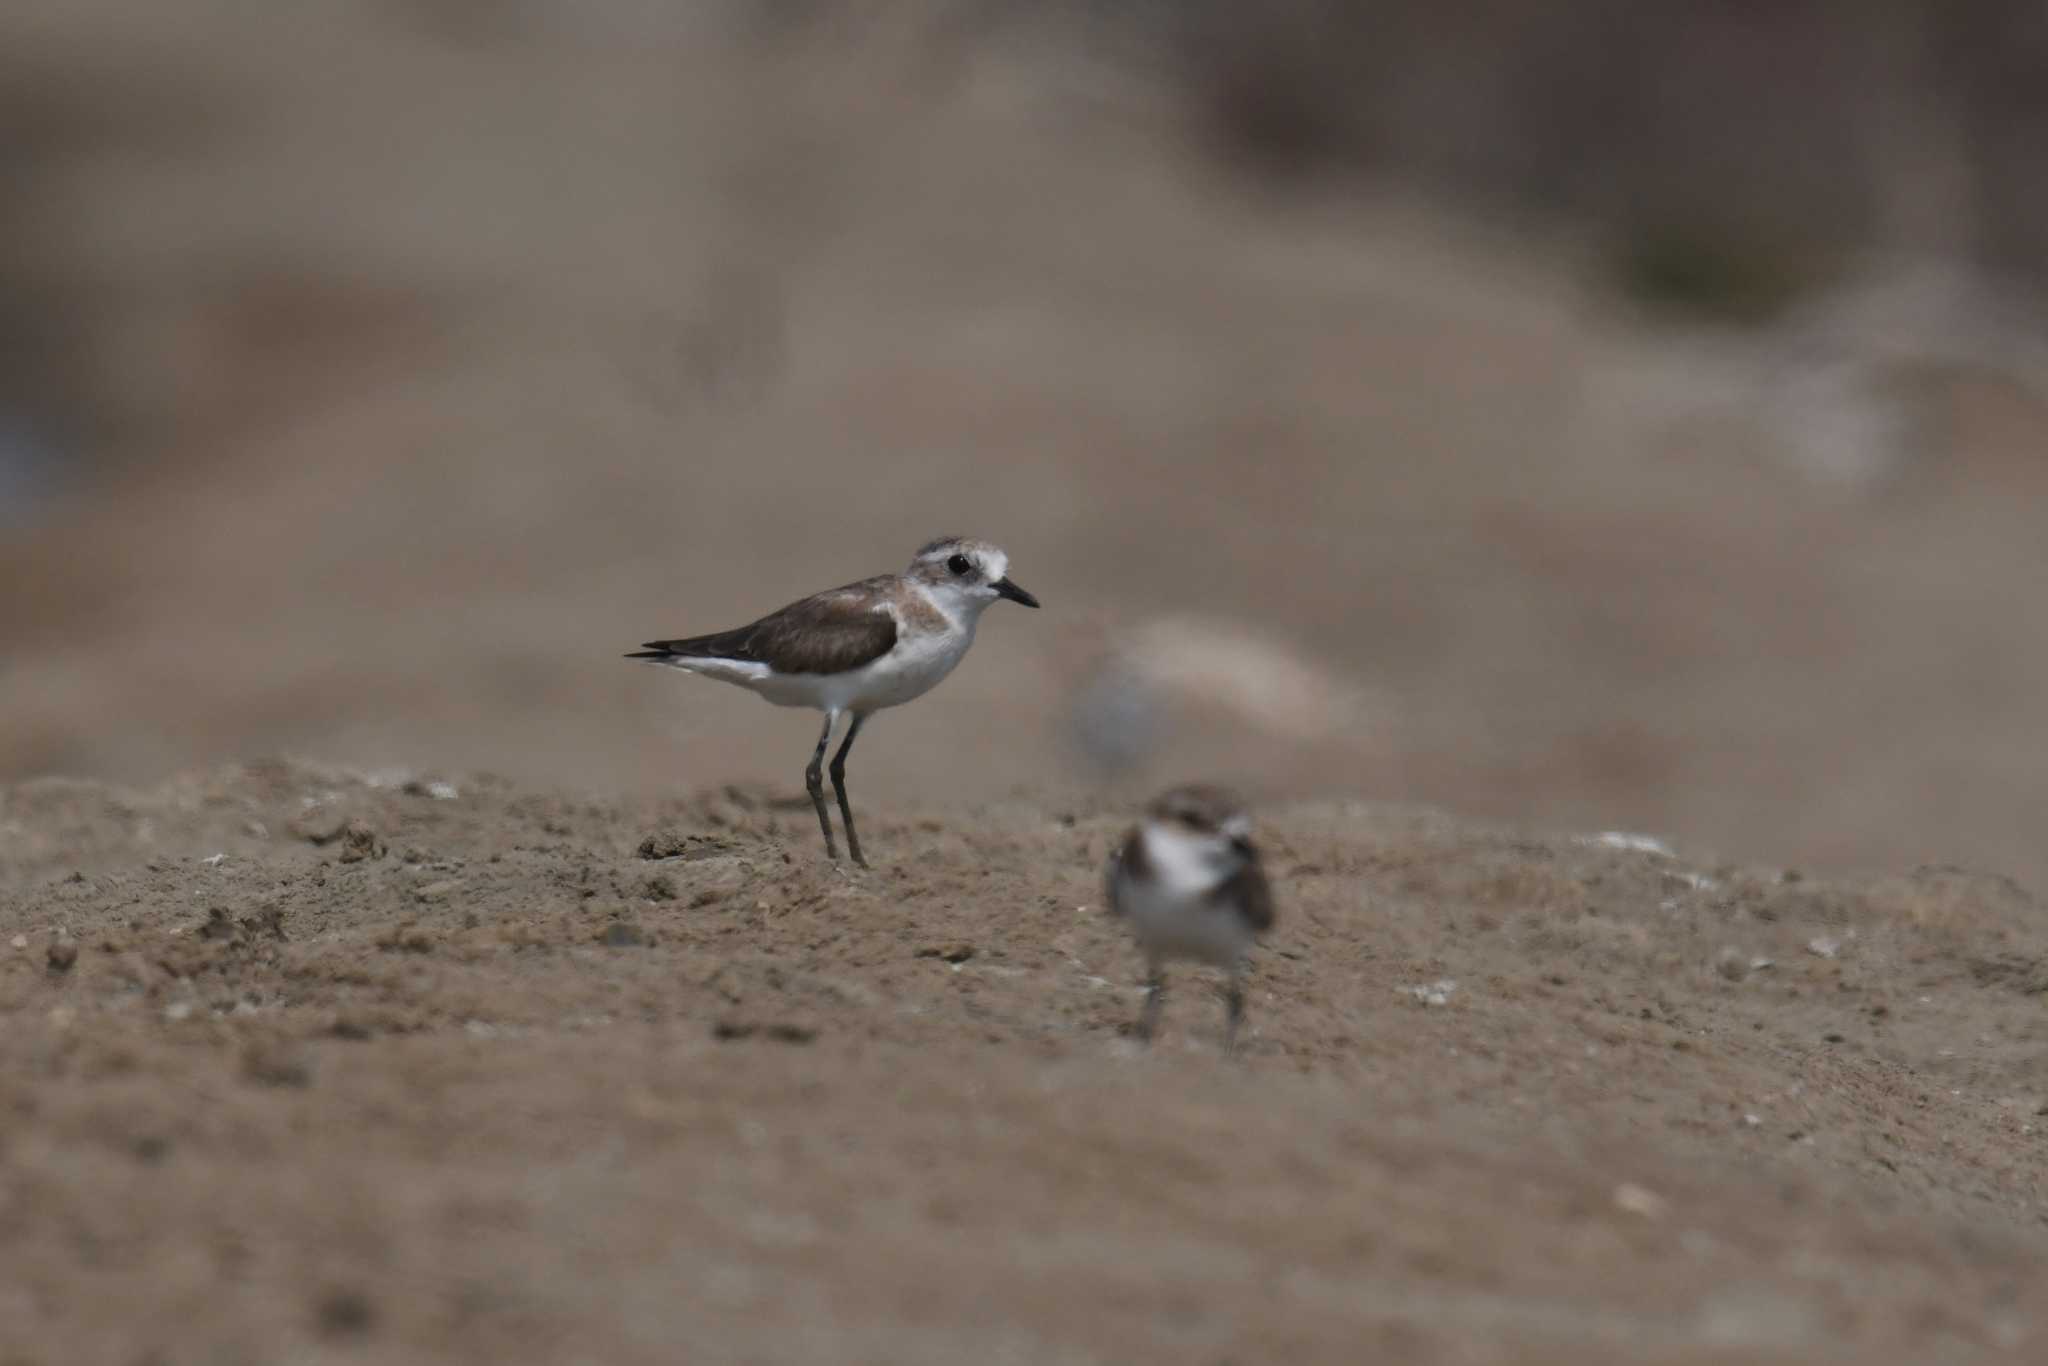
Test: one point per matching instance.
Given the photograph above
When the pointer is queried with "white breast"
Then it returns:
(913, 668)
(921, 658)
(1169, 910)
(1185, 865)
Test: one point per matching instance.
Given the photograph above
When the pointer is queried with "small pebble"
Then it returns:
(1644, 1204)
(1435, 993)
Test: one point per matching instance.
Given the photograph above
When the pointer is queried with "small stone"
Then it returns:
(1824, 946)
(662, 844)
(660, 887)
(1434, 993)
(20, 941)
(1630, 1198)
(950, 953)
(63, 953)
(359, 842)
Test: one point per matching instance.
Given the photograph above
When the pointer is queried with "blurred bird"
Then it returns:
(1189, 882)
(857, 649)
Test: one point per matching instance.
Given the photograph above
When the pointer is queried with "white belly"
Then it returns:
(913, 668)
(1170, 912)
(1172, 916)
(1173, 925)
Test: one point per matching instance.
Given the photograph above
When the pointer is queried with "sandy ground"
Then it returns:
(304, 1065)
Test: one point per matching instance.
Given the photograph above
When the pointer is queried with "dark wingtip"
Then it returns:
(648, 654)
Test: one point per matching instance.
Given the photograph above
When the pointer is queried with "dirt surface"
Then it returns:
(298, 1064)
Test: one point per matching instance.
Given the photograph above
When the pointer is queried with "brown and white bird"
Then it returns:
(1189, 882)
(857, 649)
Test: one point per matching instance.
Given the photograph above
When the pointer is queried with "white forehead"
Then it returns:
(994, 563)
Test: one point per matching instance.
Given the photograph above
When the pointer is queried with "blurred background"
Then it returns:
(1592, 414)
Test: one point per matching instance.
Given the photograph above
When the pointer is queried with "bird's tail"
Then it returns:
(720, 645)
(675, 653)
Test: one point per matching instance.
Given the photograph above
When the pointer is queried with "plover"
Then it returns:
(857, 649)
(1188, 880)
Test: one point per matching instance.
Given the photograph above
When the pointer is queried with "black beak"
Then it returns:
(1005, 589)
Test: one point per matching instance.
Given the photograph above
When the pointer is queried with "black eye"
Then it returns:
(959, 564)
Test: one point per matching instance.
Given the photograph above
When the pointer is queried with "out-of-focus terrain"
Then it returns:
(299, 1065)
(394, 367)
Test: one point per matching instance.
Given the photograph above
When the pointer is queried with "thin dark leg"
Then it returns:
(816, 784)
(1233, 1011)
(839, 787)
(1155, 1000)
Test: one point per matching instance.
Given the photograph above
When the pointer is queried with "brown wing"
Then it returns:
(1248, 890)
(1130, 854)
(826, 633)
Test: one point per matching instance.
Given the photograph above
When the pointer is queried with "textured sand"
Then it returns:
(402, 1076)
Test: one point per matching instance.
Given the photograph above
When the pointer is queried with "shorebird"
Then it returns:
(1188, 880)
(857, 649)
